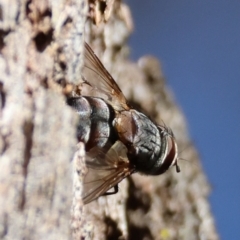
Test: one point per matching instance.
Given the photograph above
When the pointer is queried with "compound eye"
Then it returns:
(171, 155)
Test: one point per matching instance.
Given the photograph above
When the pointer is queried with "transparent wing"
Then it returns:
(99, 83)
(105, 170)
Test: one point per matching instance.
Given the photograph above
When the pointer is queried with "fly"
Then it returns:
(119, 140)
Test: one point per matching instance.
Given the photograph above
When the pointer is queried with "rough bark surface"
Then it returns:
(41, 163)
(40, 47)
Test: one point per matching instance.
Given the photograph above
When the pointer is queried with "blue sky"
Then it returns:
(198, 43)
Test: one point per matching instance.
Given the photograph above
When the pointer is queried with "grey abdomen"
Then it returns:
(95, 123)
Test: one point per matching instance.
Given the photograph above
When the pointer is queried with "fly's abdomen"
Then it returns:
(95, 123)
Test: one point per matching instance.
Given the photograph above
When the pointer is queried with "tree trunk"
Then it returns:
(40, 185)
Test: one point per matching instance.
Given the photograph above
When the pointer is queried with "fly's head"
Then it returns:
(169, 152)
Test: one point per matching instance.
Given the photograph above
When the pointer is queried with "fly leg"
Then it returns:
(115, 190)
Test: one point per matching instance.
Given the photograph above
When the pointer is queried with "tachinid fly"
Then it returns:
(119, 140)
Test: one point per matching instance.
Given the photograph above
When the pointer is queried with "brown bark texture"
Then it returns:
(41, 163)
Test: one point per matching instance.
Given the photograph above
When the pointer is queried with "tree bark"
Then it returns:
(41, 164)
(41, 42)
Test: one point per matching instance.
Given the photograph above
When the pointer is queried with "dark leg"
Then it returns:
(115, 190)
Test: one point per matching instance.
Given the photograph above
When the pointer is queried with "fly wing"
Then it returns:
(105, 170)
(99, 83)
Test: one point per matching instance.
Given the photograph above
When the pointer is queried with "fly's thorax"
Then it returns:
(151, 148)
(142, 138)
